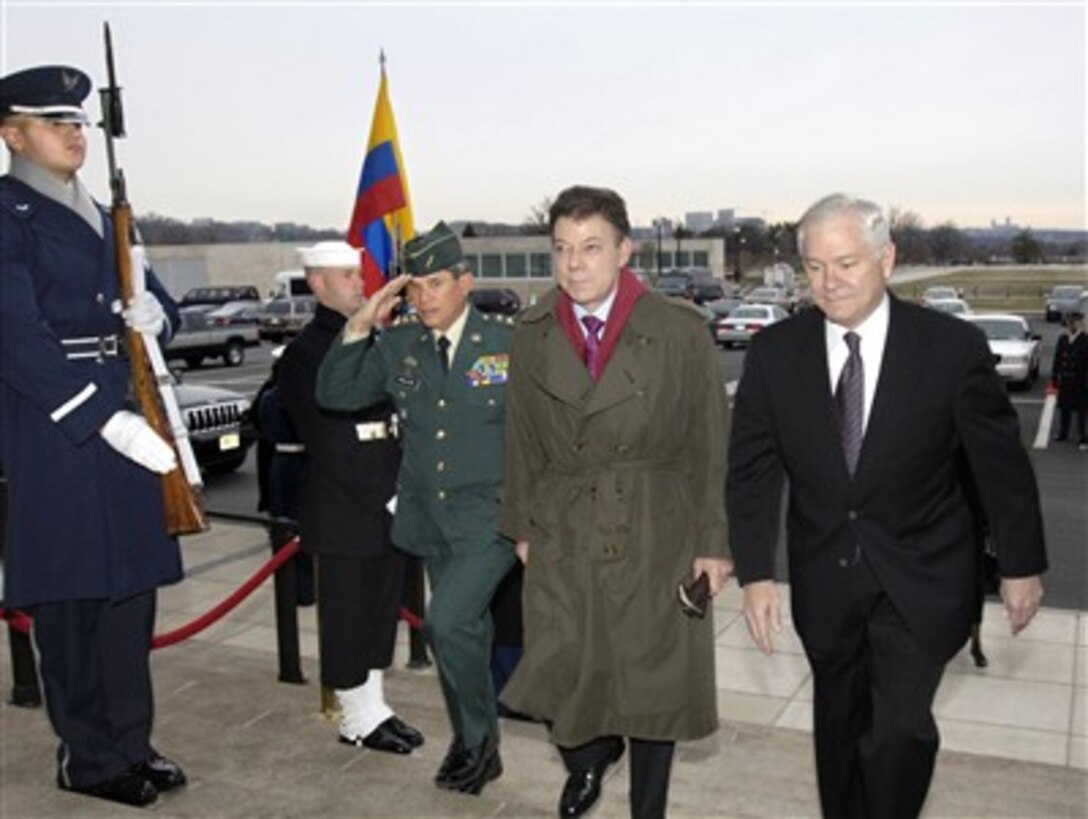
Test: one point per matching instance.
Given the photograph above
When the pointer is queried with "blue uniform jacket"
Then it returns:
(84, 522)
(451, 426)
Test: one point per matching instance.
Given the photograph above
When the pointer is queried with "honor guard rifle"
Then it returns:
(151, 380)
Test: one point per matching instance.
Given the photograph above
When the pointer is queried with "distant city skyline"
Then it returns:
(961, 113)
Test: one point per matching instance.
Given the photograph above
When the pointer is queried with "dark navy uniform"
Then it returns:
(87, 544)
(351, 469)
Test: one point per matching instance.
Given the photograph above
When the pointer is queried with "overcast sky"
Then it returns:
(262, 111)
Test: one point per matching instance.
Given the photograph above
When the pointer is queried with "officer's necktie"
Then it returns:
(850, 398)
(593, 327)
(444, 353)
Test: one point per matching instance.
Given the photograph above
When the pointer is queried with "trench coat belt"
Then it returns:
(96, 347)
(375, 431)
(635, 464)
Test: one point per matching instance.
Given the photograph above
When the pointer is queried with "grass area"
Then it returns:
(1016, 289)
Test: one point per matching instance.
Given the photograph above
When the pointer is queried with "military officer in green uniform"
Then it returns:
(445, 370)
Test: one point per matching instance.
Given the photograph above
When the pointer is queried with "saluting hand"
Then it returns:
(378, 308)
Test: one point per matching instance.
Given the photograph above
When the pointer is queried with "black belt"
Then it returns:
(95, 347)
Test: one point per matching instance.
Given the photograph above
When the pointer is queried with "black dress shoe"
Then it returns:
(128, 787)
(478, 766)
(163, 773)
(583, 788)
(381, 738)
(451, 762)
(405, 731)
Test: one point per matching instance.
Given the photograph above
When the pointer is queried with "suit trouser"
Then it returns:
(460, 631)
(96, 677)
(876, 739)
(650, 767)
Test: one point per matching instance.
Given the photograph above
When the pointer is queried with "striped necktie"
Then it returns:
(593, 327)
(850, 399)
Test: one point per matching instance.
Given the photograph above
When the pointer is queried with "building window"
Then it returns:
(473, 262)
(666, 259)
(516, 266)
(540, 265)
(491, 266)
(700, 258)
(683, 258)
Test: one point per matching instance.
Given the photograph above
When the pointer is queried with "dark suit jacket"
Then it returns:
(347, 482)
(938, 399)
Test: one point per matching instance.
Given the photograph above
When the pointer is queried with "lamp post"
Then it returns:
(659, 224)
(738, 240)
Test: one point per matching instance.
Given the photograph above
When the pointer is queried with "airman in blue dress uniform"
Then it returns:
(87, 543)
(445, 370)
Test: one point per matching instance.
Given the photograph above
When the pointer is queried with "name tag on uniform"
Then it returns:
(488, 370)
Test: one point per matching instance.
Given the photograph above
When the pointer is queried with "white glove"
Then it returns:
(145, 314)
(133, 437)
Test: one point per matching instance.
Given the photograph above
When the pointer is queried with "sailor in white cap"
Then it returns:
(352, 460)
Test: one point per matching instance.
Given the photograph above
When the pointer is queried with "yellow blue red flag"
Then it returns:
(382, 216)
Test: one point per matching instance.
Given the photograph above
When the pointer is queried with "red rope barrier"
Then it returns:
(21, 621)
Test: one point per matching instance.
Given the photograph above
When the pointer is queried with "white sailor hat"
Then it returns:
(53, 92)
(330, 254)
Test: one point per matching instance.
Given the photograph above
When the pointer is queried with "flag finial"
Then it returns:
(381, 58)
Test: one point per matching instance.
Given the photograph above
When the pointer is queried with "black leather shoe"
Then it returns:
(128, 787)
(451, 762)
(163, 773)
(405, 731)
(583, 788)
(478, 766)
(381, 738)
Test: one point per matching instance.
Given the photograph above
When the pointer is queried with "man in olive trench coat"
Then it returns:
(614, 493)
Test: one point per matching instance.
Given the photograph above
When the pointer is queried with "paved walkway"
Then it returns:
(1015, 735)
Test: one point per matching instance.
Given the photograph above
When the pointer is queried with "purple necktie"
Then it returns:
(593, 327)
(850, 398)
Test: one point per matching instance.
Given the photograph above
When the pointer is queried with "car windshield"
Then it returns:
(1001, 330)
(1066, 291)
(765, 293)
(278, 307)
(748, 312)
(941, 293)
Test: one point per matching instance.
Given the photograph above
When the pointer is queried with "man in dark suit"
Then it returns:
(350, 475)
(866, 406)
(444, 368)
(1069, 373)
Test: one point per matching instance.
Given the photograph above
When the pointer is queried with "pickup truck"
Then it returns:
(200, 337)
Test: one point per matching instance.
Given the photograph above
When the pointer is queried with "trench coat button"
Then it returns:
(622, 449)
(441, 494)
(441, 466)
(577, 446)
(441, 403)
(611, 549)
(440, 435)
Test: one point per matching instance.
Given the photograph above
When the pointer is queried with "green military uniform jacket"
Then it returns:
(451, 425)
(618, 486)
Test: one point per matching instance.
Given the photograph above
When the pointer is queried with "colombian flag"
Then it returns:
(383, 209)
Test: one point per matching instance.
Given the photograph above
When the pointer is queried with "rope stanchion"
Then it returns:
(21, 621)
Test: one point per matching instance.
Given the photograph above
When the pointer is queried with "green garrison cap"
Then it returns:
(438, 249)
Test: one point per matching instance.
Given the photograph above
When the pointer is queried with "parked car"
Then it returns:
(707, 290)
(723, 307)
(956, 307)
(220, 295)
(1015, 348)
(1062, 299)
(201, 337)
(770, 294)
(745, 321)
(939, 293)
(676, 283)
(284, 318)
(496, 300)
(218, 423)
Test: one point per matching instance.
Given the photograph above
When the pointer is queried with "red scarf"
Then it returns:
(628, 291)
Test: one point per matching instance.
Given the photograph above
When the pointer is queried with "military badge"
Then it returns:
(488, 370)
